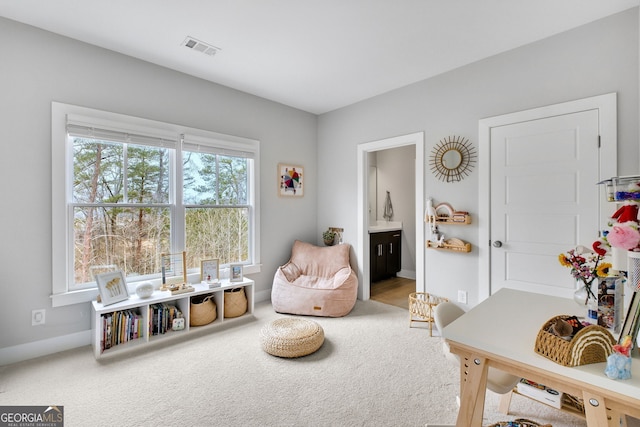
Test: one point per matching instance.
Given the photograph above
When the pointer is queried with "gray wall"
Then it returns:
(598, 58)
(38, 67)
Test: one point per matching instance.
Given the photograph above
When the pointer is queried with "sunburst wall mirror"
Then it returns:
(453, 158)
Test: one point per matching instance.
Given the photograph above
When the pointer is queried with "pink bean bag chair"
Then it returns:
(316, 281)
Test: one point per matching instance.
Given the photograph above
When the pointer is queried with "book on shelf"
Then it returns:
(161, 317)
(119, 327)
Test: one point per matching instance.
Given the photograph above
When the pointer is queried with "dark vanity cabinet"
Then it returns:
(385, 254)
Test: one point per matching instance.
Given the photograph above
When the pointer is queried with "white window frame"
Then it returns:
(61, 178)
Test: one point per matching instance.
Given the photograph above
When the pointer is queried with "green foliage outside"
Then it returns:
(122, 209)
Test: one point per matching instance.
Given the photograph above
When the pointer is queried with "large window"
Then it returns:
(127, 190)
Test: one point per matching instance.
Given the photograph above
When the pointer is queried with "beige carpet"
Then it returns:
(372, 370)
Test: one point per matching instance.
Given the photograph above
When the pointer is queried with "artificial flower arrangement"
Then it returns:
(586, 266)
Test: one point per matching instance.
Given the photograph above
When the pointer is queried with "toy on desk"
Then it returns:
(566, 328)
(619, 362)
(562, 328)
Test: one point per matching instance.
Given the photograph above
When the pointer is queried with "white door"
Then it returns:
(544, 199)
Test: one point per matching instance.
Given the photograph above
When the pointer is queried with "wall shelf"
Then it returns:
(444, 214)
(451, 245)
(458, 218)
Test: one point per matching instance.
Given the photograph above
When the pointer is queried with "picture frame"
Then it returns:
(290, 180)
(210, 270)
(235, 272)
(632, 320)
(174, 269)
(94, 270)
(112, 286)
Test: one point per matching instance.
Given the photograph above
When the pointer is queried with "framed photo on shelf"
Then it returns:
(209, 270)
(174, 269)
(290, 180)
(94, 270)
(235, 273)
(112, 287)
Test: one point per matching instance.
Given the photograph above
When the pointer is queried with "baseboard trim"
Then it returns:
(21, 352)
(262, 295)
(407, 274)
(48, 346)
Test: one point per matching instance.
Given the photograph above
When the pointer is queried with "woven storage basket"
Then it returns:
(235, 302)
(592, 344)
(202, 311)
(421, 306)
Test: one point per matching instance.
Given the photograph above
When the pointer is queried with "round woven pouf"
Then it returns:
(291, 337)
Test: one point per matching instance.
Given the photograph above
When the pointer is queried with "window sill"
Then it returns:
(74, 297)
(88, 295)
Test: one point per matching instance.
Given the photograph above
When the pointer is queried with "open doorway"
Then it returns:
(393, 291)
(364, 221)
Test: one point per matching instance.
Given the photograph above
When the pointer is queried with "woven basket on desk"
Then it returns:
(591, 344)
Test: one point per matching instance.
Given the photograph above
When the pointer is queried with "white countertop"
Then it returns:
(382, 226)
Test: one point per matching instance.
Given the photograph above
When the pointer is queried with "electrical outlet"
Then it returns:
(462, 297)
(37, 317)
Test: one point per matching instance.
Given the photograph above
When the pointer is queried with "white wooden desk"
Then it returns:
(501, 332)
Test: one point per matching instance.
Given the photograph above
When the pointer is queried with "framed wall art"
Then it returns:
(290, 180)
(112, 287)
(209, 270)
(235, 273)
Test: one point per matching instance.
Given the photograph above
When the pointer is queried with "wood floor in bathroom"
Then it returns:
(394, 291)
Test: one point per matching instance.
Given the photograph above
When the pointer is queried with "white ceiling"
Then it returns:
(315, 55)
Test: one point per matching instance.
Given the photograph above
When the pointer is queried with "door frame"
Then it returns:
(362, 248)
(607, 117)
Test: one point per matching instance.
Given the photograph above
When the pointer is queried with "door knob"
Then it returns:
(497, 244)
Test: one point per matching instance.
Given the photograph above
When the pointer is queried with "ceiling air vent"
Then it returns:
(200, 46)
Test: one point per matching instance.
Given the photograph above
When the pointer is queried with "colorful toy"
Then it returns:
(601, 247)
(619, 362)
(627, 212)
(624, 235)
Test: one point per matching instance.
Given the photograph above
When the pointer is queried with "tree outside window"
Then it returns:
(122, 207)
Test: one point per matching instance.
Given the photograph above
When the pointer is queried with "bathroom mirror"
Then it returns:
(452, 159)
